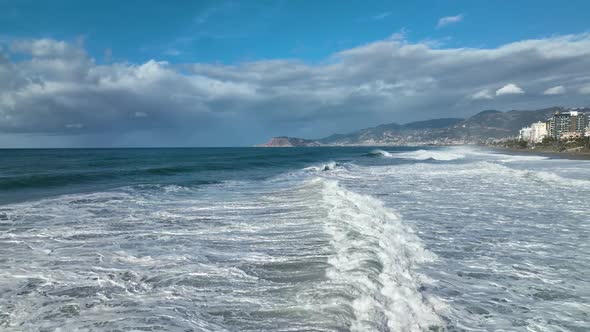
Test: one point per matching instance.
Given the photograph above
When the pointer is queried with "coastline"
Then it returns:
(574, 155)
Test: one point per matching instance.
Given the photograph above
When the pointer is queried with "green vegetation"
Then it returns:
(549, 144)
(579, 143)
(510, 144)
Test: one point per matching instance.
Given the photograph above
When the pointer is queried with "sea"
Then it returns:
(293, 239)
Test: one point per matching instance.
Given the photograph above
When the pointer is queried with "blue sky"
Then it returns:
(235, 31)
(209, 73)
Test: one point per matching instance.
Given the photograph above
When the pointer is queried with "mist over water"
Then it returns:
(312, 239)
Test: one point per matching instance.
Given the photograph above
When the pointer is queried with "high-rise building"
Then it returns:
(566, 122)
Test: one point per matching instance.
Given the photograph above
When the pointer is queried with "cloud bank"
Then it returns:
(54, 88)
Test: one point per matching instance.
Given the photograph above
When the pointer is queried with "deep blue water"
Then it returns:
(293, 239)
(36, 173)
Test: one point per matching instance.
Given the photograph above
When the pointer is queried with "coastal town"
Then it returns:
(562, 126)
(565, 131)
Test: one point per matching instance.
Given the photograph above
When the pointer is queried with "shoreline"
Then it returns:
(573, 155)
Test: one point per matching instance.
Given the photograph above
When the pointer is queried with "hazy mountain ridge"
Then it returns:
(489, 124)
(284, 141)
(392, 132)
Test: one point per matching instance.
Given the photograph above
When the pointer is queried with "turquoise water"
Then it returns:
(298, 239)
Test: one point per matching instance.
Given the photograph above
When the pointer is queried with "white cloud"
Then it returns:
(56, 85)
(444, 21)
(399, 36)
(46, 48)
(482, 94)
(509, 89)
(585, 90)
(556, 90)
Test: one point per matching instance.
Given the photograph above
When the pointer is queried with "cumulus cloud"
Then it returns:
(50, 87)
(47, 48)
(482, 94)
(444, 21)
(509, 89)
(556, 90)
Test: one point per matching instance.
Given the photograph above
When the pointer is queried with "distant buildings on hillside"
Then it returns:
(561, 126)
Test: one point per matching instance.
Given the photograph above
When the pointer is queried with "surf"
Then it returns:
(376, 256)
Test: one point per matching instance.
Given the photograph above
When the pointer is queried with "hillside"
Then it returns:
(284, 141)
(488, 124)
(393, 133)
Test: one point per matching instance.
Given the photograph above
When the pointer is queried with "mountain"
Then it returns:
(284, 141)
(393, 133)
(495, 124)
(489, 124)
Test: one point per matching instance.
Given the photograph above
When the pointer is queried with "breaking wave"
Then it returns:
(430, 155)
(379, 153)
(340, 259)
(418, 155)
(376, 255)
(325, 167)
(283, 247)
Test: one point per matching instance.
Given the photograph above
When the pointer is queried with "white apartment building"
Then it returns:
(538, 132)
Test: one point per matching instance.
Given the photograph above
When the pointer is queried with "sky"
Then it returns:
(235, 73)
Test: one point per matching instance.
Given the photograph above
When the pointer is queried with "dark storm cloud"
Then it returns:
(53, 87)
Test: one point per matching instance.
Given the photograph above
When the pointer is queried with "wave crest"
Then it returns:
(379, 153)
(431, 155)
(323, 168)
(418, 155)
(376, 255)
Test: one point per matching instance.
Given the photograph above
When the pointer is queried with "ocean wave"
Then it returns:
(541, 176)
(519, 158)
(419, 155)
(377, 255)
(72, 178)
(430, 155)
(52, 180)
(379, 153)
(322, 168)
(553, 178)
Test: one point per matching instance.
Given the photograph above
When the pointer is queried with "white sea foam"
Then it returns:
(377, 255)
(298, 254)
(519, 158)
(447, 154)
(490, 219)
(442, 155)
(322, 168)
(380, 153)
